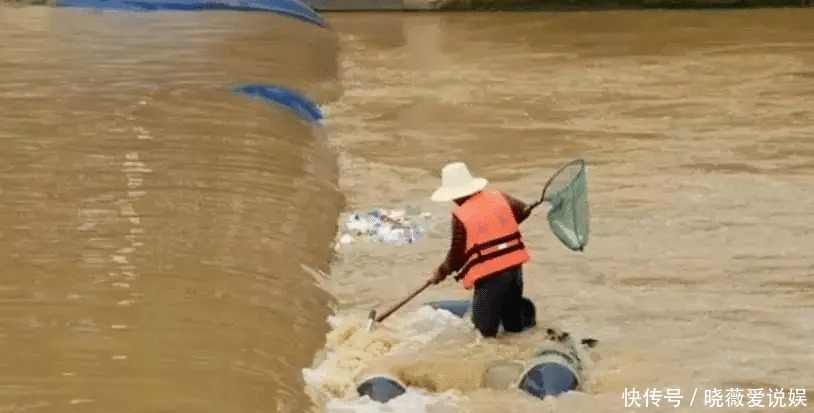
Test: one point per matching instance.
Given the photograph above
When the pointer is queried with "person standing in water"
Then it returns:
(486, 250)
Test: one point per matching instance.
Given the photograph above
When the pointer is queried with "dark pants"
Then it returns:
(499, 299)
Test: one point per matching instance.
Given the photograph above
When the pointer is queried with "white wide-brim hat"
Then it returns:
(457, 182)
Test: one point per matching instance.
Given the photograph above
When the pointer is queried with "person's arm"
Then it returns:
(455, 258)
(520, 209)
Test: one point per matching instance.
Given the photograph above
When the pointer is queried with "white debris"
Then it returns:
(393, 227)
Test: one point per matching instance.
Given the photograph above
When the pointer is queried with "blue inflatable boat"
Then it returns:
(292, 8)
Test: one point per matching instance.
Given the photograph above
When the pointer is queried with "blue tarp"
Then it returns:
(293, 8)
(301, 106)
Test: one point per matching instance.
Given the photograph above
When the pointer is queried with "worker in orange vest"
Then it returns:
(487, 249)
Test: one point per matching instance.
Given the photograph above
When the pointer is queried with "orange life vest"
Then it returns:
(493, 240)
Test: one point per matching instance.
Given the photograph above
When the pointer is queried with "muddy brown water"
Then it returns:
(160, 234)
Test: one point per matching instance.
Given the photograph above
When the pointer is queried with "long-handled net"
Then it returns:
(567, 194)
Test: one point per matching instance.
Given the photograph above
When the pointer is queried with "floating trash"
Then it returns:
(301, 106)
(381, 226)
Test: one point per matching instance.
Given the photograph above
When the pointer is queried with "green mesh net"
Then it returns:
(567, 193)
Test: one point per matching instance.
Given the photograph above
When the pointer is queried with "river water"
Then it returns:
(162, 236)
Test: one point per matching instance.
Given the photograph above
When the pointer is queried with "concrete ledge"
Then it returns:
(519, 5)
(544, 5)
(381, 5)
(564, 5)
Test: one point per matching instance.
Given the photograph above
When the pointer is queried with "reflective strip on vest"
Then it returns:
(493, 240)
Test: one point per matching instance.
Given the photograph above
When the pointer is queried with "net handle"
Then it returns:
(579, 161)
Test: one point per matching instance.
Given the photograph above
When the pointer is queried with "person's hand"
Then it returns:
(529, 209)
(437, 277)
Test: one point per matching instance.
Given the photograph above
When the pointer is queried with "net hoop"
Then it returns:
(577, 161)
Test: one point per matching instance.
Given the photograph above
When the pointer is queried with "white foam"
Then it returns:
(413, 401)
(334, 321)
(350, 349)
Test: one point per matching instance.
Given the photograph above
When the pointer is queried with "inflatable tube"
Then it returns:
(381, 388)
(550, 373)
(548, 379)
(292, 8)
(304, 108)
(460, 308)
